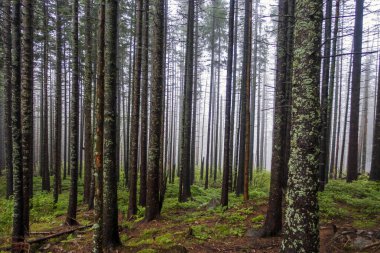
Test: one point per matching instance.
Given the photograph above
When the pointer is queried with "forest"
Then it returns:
(197, 126)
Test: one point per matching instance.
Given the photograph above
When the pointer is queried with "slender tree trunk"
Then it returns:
(232, 120)
(301, 233)
(88, 147)
(152, 210)
(325, 100)
(352, 170)
(185, 192)
(195, 92)
(44, 101)
(27, 105)
(98, 149)
(345, 119)
(58, 105)
(74, 124)
(110, 212)
(7, 40)
(333, 116)
(132, 208)
(18, 232)
(273, 220)
(245, 98)
(227, 123)
(211, 95)
(144, 103)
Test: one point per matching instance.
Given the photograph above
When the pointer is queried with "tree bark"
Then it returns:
(132, 208)
(27, 105)
(301, 233)
(87, 102)
(74, 123)
(58, 105)
(144, 103)
(152, 210)
(98, 149)
(352, 163)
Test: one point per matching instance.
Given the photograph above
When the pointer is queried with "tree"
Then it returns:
(227, 131)
(210, 111)
(352, 163)
(88, 148)
(132, 206)
(375, 166)
(58, 104)
(273, 219)
(18, 232)
(184, 191)
(27, 105)
(110, 211)
(245, 98)
(74, 123)
(301, 233)
(44, 162)
(7, 40)
(325, 100)
(144, 103)
(154, 195)
(99, 114)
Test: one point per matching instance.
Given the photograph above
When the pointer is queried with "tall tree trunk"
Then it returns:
(18, 232)
(301, 233)
(7, 40)
(144, 103)
(227, 123)
(27, 105)
(333, 115)
(345, 122)
(110, 212)
(245, 103)
(185, 192)
(88, 147)
(232, 122)
(58, 105)
(152, 210)
(74, 123)
(44, 126)
(352, 163)
(132, 208)
(98, 149)
(195, 92)
(210, 99)
(325, 99)
(364, 125)
(273, 220)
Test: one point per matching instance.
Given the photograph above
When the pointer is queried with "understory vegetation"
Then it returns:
(197, 222)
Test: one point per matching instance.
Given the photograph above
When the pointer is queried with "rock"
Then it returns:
(376, 235)
(360, 243)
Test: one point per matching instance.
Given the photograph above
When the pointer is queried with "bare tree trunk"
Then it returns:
(132, 208)
(152, 210)
(74, 124)
(98, 153)
(352, 172)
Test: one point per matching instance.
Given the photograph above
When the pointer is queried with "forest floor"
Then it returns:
(349, 218)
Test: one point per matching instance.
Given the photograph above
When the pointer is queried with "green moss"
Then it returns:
(165, 239)
(258, 218)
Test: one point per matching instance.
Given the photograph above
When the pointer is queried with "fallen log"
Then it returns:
(42, 239)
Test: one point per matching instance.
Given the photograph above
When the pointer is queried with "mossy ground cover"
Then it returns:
(197, 224)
